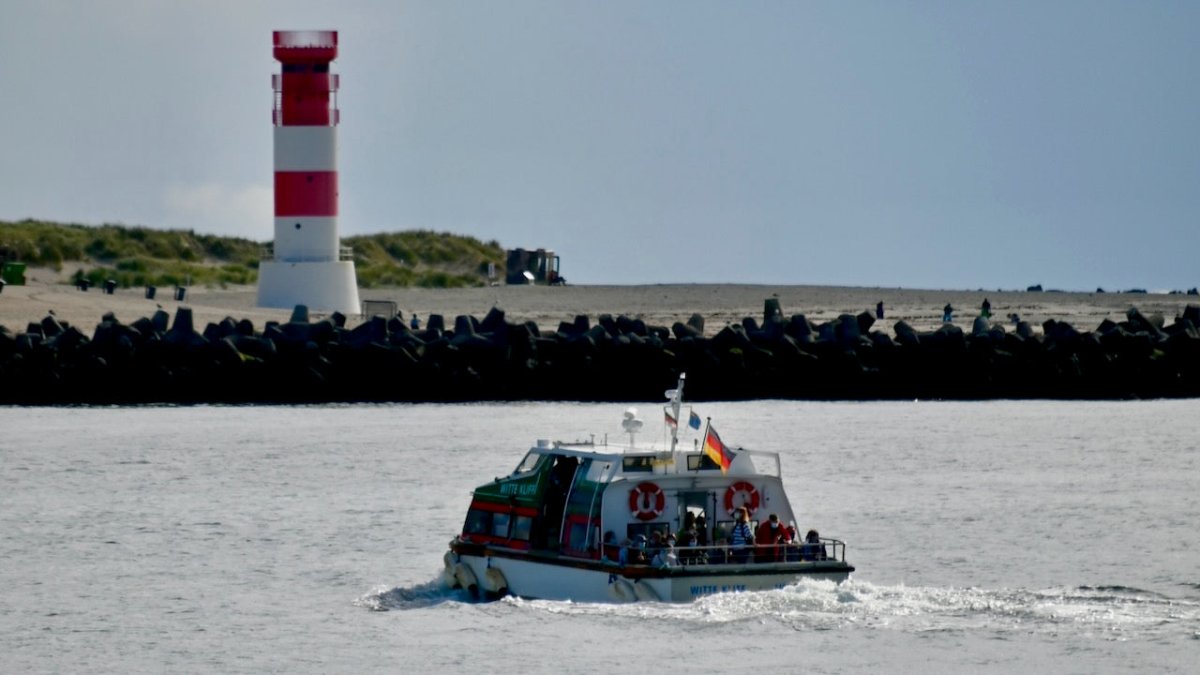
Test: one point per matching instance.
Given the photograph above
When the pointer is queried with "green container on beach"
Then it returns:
(13, 274)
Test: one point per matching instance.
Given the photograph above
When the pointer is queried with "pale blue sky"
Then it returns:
(932, 144)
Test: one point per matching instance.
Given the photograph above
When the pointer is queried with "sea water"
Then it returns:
(994, 536)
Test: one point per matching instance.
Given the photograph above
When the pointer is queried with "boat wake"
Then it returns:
(1117, 612)
(428, 594)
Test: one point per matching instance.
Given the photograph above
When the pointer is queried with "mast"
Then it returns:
(675, 401)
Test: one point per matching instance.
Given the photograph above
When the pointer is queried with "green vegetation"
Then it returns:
(140, 256)
(423, 258)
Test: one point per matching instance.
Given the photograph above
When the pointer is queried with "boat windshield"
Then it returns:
(528, 464)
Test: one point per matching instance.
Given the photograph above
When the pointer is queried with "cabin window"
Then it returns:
(701, 462)
(522, 527)
(637, 464)
(724, 527)
(577, 536)
(499, 525)
(478, 522)
(528, 464)
(646, 529)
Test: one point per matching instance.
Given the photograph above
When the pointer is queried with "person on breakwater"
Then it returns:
(985, 310)
(879, 310)
(947, 313)
(414, 323)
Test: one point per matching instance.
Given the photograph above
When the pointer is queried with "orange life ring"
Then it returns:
(646, 501)
(750, 500)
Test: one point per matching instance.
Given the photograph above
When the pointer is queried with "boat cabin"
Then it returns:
(584, 501)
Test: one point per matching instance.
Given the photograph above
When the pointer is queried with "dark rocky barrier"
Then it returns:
(155, 360)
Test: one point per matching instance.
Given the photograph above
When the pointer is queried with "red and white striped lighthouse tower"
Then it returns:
(308, 266)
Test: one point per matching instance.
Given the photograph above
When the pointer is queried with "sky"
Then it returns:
(955, 145)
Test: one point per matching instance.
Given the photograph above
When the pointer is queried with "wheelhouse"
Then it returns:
(584, 501)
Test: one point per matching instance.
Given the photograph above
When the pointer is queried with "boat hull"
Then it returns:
(553, 577)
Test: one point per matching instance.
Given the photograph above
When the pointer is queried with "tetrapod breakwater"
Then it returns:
(160, 359)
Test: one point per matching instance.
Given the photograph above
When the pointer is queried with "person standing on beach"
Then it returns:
(985, 310)
(879, 310)
(947, 313)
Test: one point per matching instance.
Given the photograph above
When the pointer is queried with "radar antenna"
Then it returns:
(631, 424)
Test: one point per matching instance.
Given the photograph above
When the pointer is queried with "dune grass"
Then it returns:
(135, 256)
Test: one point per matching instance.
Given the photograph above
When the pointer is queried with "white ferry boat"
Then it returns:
(596, 523)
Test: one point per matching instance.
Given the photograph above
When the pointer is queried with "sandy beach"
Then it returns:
(719, 304)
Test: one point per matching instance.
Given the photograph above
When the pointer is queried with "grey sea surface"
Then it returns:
(1002, 536)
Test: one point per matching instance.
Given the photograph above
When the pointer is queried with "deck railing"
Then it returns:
(828, 550)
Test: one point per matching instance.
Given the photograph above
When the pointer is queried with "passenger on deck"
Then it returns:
(769, 539)
(625, 555)
(719, 555)
(655, 545)
(666, 555)
(701, 531)
(688, 540)
(634, 553)
(687, 533)
(792, 550)
(812, 549)
(609, 551)
(741, 537)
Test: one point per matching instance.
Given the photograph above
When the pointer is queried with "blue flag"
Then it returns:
(694, 420)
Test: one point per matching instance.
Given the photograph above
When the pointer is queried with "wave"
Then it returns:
(1118, 611)
(1110, 611)
(420, 596)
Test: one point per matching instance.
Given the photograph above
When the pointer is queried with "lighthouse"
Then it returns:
(308, 265)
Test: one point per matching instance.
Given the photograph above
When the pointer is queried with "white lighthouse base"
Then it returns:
(321, 286)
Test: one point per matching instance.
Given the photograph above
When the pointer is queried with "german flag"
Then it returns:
(716, 450)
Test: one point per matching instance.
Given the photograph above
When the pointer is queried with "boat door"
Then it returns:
(698, 504)
(581, 515)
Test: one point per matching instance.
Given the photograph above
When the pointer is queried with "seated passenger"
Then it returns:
(666, 555)
(637, 551)
(719, 555)
(609, 551)
(792, 550)
(655, 545)
(688, 553)
(812, 549)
